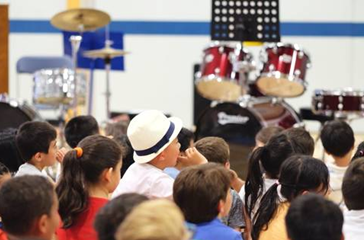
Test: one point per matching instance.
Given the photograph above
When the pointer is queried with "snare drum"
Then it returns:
(238, 124)
(56, 86)
(339, 101)
(283, 70)
(220, 75)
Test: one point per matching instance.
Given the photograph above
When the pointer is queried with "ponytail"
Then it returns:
(254, 182)
(71, 191)
(83, 167)
(268, 207)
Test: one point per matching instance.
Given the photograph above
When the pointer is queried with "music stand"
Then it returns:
(245, 20)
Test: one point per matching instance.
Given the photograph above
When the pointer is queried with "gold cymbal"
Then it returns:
(80, 19)
(106, 52)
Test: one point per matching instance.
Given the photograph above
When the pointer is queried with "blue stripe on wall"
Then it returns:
(302, 29)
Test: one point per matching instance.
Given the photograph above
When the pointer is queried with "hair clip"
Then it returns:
(79, 152)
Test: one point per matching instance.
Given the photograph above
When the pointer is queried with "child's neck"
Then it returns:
(98, 191)
(37, 164)
(343, 161)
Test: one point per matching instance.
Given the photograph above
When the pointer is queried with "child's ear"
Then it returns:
(42, 224)
(107, 174)
(220, 207)
(305, 192)
(38, 157)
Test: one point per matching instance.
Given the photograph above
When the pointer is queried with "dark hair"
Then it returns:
(3, 169)
(266, 133)
(359, 152)
(337, 138)
(270, 157)
(23, 200)
(113, 214)
(313, 217)
(185, 137)
(78, 128)
(99, 153)
(214, 149)
(34, 137)
(198, 190)
(128, 152)
(301, 140)
(299, 173)
(9, 153)
(353, 185)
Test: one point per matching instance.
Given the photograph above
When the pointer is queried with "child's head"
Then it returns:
(28, 207)
(203, 192)
(128, 152)
(353, 185)
(9, 153)
(269, 157)
(301, 141)
(359, 152)
(186, 139)
(153, 137)
(313, 217)
(78, 128)
(113, 214)
(337, 138)
(96, 163)
(265, 134)
(155, 219)
(299, 174)
(116, 129)
(214, 149)
(4, 174)
(37, 143)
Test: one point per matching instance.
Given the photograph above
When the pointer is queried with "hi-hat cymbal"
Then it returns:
(106, 52)
(80, 20)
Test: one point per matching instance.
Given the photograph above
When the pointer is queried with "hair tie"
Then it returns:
(79, 152)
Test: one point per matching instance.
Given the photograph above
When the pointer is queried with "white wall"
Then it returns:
(159, 69)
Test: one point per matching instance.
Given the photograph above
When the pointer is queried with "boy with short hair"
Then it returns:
(312, 217)
(338, 141)
(216, 150)
(203, 194)
(353, 193)
(153, 137)
(29, 208)
(37, 145)
(78, 128)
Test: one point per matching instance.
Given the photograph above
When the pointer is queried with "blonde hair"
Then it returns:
(154, 220)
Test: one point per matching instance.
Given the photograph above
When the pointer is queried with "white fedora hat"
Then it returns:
(150, 132)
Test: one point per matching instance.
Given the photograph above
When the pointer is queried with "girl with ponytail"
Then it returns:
(90, 172)
(299, 174)
(263, 170)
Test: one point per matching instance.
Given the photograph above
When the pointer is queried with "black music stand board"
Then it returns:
(243, 20)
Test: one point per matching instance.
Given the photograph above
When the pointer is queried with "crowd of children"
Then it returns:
(148, 178)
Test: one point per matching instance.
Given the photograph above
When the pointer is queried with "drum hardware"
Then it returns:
(79, 20)
(106, 54)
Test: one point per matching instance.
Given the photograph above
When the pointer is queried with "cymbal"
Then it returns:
(106, 52)
(80, 19)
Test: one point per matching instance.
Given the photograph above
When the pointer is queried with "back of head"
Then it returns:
(154, 220)
(116, 129)
(34, 137)
(214, 149)
(337, 138)
(266, 133)
(299, 174)
(271, 156)
(301, 141)
(313, 217)
(113, 214)
(83, 167)
(78, 128)
(353, 185)
(127, 153)
(22, 201)
(9, 153)
(185, 137)
(359, 152)
(198, 190)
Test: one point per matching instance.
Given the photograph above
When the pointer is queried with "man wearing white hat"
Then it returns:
(153, 137)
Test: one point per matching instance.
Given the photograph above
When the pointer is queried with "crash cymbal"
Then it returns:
(80, 20)
(106, 52)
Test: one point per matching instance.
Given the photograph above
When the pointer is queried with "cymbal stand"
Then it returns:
(108, 69)
(75, 43)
